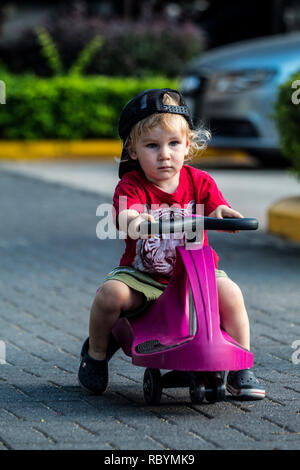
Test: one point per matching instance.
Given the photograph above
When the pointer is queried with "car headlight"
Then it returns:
(189, 84)
(239, 81)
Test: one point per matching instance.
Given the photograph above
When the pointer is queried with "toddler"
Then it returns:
(159, 136)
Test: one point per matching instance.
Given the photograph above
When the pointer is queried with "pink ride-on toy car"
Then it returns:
(180, 332)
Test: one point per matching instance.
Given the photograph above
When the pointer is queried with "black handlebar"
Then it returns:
(194, 223)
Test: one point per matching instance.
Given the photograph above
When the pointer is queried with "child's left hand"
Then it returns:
(224, 211)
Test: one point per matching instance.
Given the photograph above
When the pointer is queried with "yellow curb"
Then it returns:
(284, 218)
(98, 148)
(59, 149)
(226, 153)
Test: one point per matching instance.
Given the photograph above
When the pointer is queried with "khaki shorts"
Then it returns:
(142, 283)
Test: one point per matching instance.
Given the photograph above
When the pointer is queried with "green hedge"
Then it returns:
(70, 107)
(287, 118)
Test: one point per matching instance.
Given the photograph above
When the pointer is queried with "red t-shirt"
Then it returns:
(156, 255)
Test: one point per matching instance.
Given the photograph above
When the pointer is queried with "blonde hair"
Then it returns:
(198, 138)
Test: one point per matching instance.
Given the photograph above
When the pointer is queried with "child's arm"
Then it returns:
(130, 221)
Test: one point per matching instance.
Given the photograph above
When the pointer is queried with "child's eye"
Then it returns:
(151, 146)
(173, 143)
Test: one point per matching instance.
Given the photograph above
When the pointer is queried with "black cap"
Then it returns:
(141, 106)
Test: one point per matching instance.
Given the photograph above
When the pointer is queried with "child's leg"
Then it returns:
(241, 384)
(233, 314)
(113, 297)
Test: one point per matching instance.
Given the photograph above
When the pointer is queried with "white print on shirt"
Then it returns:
(158, 254)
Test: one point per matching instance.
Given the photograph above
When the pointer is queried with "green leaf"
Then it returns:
(49, 50)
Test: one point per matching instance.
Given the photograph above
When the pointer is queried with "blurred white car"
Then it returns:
(232, 90)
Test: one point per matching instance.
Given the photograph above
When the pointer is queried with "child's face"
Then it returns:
(161, 154)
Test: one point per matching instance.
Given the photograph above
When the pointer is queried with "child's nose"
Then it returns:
(164, 152)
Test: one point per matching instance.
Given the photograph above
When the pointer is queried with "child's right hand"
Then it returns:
(134, 225)
(130, 221)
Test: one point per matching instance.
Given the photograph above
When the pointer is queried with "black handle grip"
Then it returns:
(227, 223)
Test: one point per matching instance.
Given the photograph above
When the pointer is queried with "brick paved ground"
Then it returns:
(51, 265)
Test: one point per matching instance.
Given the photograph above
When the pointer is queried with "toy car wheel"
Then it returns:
(216, 393)
(197, 392)
(152, 386)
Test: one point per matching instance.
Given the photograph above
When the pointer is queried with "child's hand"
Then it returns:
(134, 225)
(224, 211)
(130, 221)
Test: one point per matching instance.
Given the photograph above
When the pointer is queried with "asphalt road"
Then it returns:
(51, 266)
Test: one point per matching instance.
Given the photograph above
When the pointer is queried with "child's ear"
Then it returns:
(187, 149)
(132, 153)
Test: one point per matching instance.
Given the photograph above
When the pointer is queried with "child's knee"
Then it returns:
(112, 294)
(229, 292)
(235, 291)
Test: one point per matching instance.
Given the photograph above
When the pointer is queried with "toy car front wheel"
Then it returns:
(152, 386)
(216, 393)
(197, 392)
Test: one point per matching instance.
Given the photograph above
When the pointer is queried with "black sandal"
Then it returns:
(244, 385)
(93, 374)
